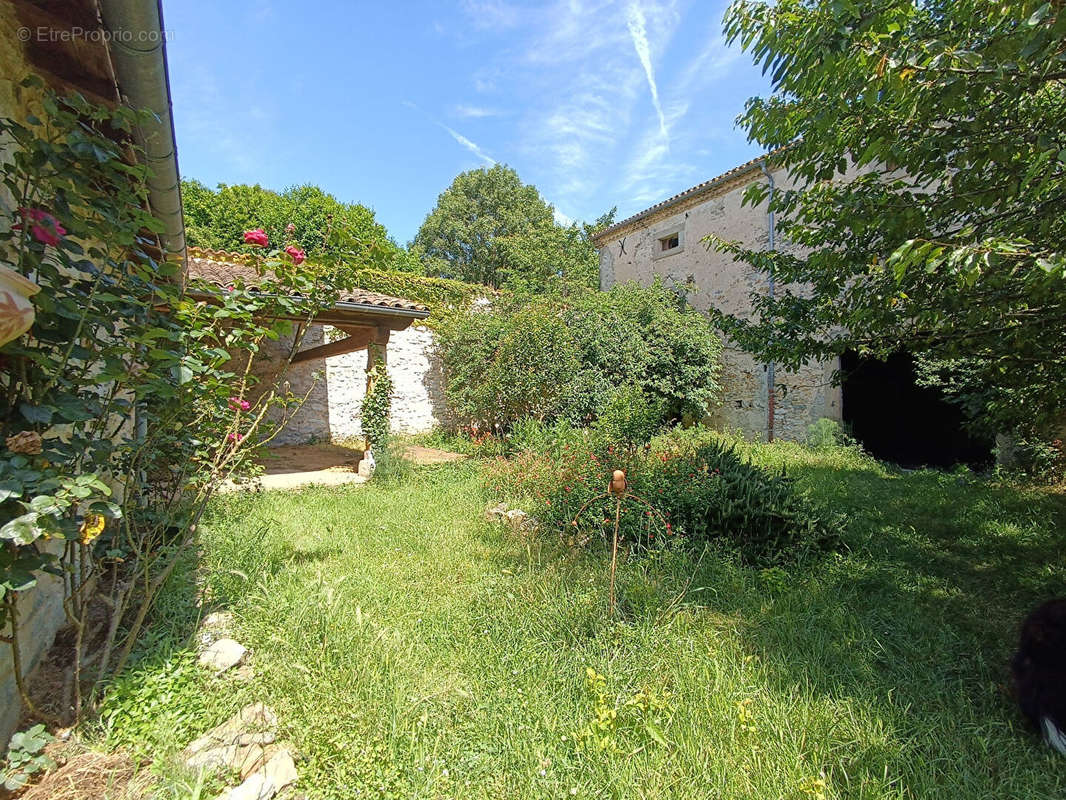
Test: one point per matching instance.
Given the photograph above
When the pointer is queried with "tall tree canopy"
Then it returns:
(949, 243)
(488, 227)
(329, 231)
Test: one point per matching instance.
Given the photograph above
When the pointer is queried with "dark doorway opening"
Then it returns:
(896, 420)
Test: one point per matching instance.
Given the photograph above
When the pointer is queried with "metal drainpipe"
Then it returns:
(771, 377)
(138, 54)
(137, 47)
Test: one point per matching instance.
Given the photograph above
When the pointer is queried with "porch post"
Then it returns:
(376, 353)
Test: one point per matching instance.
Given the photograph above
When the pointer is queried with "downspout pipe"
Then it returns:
(771, 377)
(137, 46)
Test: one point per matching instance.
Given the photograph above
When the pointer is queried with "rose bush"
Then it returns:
(128, 402)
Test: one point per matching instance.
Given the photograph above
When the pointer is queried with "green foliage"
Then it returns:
(161, 701)
(441, 295)
(1034, 458)
(490, 228)
(630, 418)
(564, 357)
(26, 757)
(636, 721)
(376, 405)
(704, 490)
(948, 240)
(825, 434)
(331, 232)
(124, 407)
(410, 647)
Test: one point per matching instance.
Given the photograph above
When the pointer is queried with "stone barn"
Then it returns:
(665, 241)
(880, 402)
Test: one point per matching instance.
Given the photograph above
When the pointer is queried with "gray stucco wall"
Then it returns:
(634, 254)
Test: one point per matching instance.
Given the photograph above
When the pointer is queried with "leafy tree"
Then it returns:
(948, 243)
(330, 231)
(552, 357)
(488, 227)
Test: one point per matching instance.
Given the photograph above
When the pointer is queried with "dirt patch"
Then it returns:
(91, 776)
(310, 458)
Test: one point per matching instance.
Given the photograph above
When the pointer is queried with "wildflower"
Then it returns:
(237, 403)
(257, 237)
(235, 437)
(27, 443)
(290, 228)
(44, 227)
(297, 255)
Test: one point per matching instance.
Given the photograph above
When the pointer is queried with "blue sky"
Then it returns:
(383, 103)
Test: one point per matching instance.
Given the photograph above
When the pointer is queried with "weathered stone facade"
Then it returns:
(337, 385)
(643, 247)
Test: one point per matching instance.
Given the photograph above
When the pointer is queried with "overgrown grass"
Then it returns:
(414, 650)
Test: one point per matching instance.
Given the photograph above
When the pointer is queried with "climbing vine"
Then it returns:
(127, 404)
(376, 405)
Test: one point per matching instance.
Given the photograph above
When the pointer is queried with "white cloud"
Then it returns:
(638, 31)
(475, 112)
(469, 145)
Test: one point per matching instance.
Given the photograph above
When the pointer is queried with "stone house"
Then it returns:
(665, 241)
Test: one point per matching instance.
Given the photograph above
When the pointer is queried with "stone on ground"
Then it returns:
(239, 744)
(276, 774)
(223, 655)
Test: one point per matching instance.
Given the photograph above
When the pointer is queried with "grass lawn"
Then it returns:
(412, 649)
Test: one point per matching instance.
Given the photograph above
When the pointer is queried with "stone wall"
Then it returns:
(308, 378)
(333, 409)
(418, 403)
(634, 253)
(41, 609)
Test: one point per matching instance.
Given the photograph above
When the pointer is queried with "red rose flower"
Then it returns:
(297, 255)
(43, 226)
(257, 237)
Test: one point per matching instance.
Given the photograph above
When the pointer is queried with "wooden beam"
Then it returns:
(357, 339)
(67, 46)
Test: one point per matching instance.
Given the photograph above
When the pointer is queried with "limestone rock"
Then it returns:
(275, 775)
(241, 743)
(223, 654)
(520, 520)
(215, 626)
(497, 512)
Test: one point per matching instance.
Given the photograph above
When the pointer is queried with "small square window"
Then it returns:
(669, 242)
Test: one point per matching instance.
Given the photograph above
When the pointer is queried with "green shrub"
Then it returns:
(703, 489)
(1035, 458)
(552, 358)
(825, 434)
(630, 418)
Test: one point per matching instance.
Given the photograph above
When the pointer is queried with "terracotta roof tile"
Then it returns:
(222, 268)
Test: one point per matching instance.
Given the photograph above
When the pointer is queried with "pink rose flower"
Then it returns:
(235, 437)
(44, 227)
(257, 237)
(298, 256)
(237, 403)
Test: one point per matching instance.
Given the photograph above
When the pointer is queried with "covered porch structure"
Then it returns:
(364, 320)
